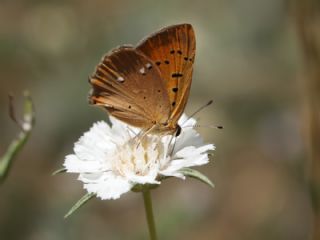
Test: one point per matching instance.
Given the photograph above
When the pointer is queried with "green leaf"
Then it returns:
(189, 172)
(60, 170)
(79, 204)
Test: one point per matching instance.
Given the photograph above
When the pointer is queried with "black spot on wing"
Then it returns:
(176, 75)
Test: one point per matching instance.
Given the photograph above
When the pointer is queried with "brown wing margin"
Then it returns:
(173, 50)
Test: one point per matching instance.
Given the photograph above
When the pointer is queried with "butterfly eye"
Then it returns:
(178, 132)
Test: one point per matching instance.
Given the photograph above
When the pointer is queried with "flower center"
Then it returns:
(138, 157)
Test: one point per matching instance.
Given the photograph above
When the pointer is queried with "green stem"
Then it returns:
(149, 214)
(17, 144)
(13, 149)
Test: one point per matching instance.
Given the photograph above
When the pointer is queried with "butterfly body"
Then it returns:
(147, 86)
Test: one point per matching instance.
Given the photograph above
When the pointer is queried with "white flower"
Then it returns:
(112, 160)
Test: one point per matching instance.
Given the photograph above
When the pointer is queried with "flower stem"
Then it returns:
(149, 213)
(26, 125)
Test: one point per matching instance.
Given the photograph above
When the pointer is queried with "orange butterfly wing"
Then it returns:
(129, 86)
(173, 50)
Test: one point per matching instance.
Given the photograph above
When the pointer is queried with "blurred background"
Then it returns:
(249, 61)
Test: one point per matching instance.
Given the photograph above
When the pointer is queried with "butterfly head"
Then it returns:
(167, 128)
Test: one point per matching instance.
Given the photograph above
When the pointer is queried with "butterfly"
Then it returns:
(147, 86)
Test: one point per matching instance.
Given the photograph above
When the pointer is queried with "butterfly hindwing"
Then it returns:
(129, 86)
(172, 50)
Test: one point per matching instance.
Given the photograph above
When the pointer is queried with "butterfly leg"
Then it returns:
(174, 136)
(144, 134)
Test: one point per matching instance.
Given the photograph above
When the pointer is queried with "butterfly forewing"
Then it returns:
(129, 86)
(172, 49)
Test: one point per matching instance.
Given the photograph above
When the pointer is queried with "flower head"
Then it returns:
(112, 160)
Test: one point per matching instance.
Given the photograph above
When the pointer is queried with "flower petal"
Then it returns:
(187, 157)
(188, 137)
(110, 188)
(74, 164)
(191, 150)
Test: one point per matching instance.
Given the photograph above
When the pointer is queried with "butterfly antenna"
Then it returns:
(199, 109)
(206, 126)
